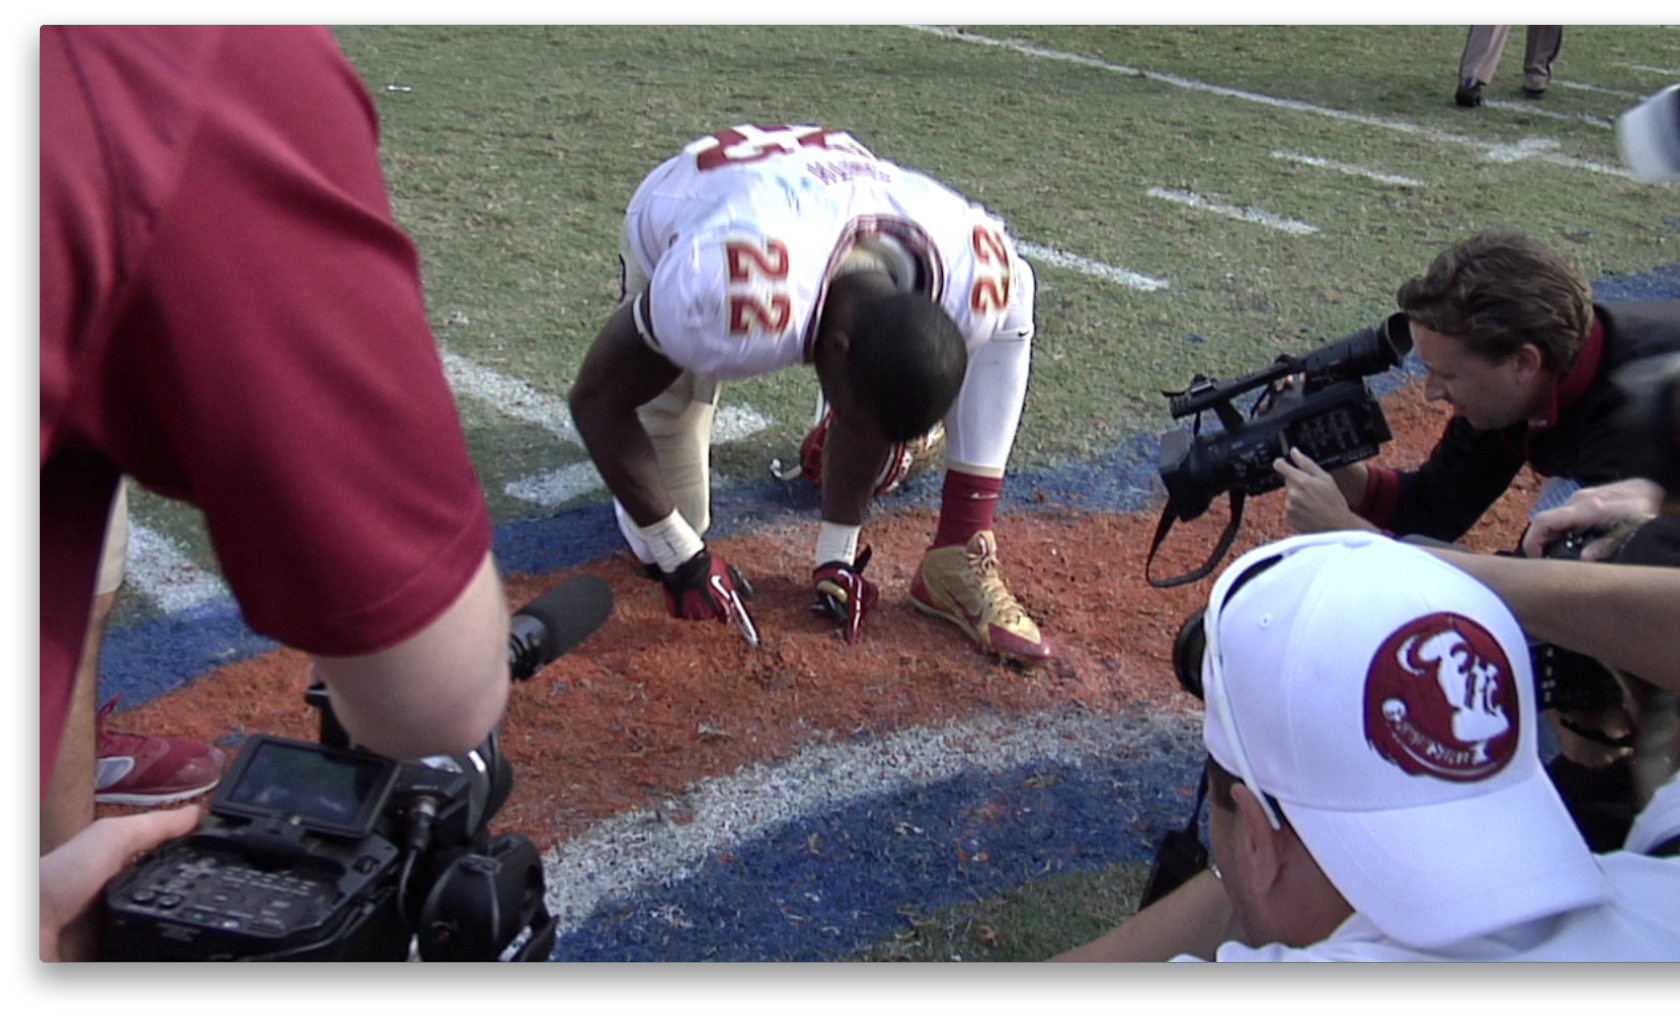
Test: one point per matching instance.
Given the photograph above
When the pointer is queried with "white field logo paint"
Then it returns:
(634, 851)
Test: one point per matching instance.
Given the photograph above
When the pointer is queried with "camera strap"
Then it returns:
(1168, 517)
(1179, 855)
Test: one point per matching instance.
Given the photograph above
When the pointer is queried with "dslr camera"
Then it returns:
(324, 851)
(1328, 412)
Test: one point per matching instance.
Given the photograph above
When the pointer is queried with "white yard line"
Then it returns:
(161, 571)
(1293, 105)
(1532, 108)
(734, 423)
(1351, 170)
(1671, 73)
(1258, 216)
(511, 397)
(521, 401)
(1578, 86)
(1063, 259)
(554, 488)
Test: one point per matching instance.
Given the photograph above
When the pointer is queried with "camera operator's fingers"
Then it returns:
(75, 873)
(1546, 527)
(1278, 388)
(1604, 547)
(1304, 463)
(1624, 504)
(1314, 502)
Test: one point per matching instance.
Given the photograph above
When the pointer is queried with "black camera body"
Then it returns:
(1336, 425)
(1330, 415)
(1327, 411)
(327, 852)
(1568, 680)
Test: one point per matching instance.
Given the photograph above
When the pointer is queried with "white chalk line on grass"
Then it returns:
(522, 401)
(553, 488)
(1258, 216)
(1671, 73)
(1530, 107)
(1579, 86)
(1063, 259)
(1294, 105)
(511, 397)
(635, 851)
(161, 572)
(1349, 169)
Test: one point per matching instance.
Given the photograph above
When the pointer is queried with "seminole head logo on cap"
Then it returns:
(1441, 700)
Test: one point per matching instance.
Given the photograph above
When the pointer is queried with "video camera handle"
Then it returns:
(1207, 394)
(1377, 348)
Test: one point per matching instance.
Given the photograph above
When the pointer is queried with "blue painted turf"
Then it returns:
(828, 886)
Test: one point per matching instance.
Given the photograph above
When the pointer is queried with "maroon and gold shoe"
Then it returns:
(963, 585)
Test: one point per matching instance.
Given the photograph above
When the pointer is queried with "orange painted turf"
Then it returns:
(648, 705)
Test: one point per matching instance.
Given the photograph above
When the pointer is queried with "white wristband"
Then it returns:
(671, 540)
(837, 542)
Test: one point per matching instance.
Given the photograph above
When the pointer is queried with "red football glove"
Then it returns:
(844, 595)
(906, 460)
(706, 587)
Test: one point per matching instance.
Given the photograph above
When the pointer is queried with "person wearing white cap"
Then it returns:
(1377, 787)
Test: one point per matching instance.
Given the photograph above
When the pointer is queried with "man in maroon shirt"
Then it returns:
(230, 316)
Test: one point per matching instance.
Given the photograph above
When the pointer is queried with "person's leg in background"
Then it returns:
(1482, 49)
(1540, 51)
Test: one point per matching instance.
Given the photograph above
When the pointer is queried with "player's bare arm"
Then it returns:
(852, 458)
(619, 374)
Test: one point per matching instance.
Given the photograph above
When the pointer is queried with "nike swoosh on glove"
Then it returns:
(705, 588)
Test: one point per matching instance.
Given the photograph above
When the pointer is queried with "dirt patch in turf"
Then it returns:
(647, 705)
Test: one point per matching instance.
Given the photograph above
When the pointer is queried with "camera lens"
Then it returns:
(1188, 647)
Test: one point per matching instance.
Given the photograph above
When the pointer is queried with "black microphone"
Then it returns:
(553, 624)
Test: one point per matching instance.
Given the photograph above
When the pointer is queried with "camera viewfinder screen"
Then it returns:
(329, 790)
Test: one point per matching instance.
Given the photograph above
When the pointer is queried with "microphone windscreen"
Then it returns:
(568, 614)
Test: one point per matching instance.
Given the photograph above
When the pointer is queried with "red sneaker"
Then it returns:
(151, 769)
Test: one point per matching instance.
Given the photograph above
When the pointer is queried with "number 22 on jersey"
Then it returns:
(993, 275)
(750, 267)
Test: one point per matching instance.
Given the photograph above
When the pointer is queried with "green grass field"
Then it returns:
(512, 150)
(1275, 184)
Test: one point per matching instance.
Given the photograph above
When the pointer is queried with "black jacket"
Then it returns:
(1469, 468)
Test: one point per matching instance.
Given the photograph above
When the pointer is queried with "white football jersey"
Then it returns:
(742, 232)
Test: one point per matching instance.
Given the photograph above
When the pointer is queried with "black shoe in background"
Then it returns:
(1469, 93)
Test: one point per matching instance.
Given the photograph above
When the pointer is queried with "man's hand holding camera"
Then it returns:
(1619, 508)
(74, 875)
(1315, 499)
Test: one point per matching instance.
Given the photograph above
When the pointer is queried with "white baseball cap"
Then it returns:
(1386, 700)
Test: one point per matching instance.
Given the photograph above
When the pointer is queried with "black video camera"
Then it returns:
(324, 851)
(1329, 414)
